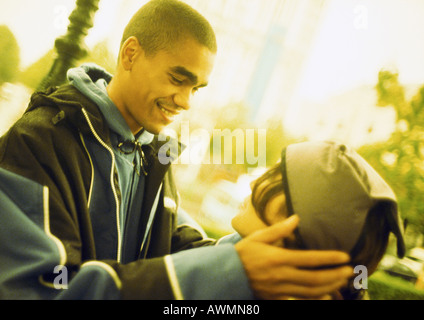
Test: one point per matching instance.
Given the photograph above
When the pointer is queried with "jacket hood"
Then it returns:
(92, 81)
(70, 103)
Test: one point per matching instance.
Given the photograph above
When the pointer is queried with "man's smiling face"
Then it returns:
(160, 87)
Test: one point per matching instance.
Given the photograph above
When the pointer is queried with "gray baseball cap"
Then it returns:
(332, 189)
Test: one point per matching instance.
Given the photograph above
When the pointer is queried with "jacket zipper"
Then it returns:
(150, 221)
(92, 171)
(115, 194)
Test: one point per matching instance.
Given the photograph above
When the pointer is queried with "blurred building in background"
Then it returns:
(262, 50)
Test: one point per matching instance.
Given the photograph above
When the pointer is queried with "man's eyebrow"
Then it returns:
(190, 75)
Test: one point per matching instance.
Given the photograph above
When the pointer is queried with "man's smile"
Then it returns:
(170, 113)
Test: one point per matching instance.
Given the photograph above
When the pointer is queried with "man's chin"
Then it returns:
(156, 130)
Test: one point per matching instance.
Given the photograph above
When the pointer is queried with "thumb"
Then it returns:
(277, 231)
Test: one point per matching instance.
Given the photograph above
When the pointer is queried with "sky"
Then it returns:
(359, 38)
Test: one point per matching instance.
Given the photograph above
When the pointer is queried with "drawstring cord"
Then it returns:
(131, 147)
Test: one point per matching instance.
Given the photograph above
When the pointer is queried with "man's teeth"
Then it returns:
(167, 112)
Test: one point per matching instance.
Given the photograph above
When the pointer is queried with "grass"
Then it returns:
(382, 286)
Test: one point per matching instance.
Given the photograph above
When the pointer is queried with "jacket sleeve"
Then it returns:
(209, 272)
(42, 255)
(30, 254)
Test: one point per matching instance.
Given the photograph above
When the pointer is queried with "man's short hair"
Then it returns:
(159, 24)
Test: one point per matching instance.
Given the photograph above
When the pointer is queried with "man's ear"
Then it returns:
(129, 52)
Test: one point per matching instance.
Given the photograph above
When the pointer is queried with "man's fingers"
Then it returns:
(277, 231)
(314, 259)
(316, 278)
(308, 283)
(297, 290)
(303, 284)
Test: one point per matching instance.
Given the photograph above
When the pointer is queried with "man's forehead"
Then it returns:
(192, 59)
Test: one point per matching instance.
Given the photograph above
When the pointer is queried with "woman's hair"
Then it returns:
(265, 188)
(159, 24)
(370, 247)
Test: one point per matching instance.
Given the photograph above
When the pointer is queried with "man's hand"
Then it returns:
(276, 273)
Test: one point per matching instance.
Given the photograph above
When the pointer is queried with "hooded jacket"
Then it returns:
(47, 180)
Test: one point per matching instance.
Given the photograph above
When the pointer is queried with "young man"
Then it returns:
(82, 186)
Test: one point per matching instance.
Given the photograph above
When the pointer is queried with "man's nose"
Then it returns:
(183, 98)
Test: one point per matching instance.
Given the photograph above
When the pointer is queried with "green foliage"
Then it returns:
(400, 160)
(390, 92)
(9, 56)
(32, 76)
(382, 286)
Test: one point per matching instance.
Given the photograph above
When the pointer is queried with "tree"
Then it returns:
(9, 56)
(401, 159)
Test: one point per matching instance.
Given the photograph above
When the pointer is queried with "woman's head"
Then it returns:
(264, 207)
(343, 204)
